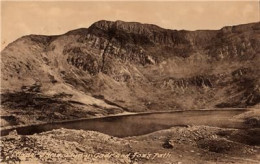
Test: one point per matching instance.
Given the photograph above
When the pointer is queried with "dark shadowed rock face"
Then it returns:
(140, 66)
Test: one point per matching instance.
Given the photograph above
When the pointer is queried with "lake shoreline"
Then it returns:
(119, 115)
(4, 130)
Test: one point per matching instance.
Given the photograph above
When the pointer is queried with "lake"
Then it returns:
(139, 124)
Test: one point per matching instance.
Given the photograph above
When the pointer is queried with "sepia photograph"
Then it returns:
(130, 82)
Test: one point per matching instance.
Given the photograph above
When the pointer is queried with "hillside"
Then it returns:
(116, 67)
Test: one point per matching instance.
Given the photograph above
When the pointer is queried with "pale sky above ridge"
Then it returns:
(56, 17)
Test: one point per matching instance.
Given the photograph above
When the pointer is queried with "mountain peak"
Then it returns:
(130, 66)
(132, 27)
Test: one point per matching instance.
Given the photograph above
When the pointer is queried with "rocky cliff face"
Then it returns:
(139, 67)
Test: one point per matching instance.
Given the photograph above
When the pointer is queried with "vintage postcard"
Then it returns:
(130, 82)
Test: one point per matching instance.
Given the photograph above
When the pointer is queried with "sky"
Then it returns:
(19, 18)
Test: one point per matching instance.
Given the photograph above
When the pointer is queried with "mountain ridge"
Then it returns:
(84, 30)
(113, 66)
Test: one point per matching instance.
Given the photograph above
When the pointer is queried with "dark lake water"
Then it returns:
(133, 125)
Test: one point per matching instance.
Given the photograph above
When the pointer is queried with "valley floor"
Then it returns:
(191, 144)
(195, 144)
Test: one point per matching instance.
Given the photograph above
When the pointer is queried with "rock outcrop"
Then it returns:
(139, 66)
